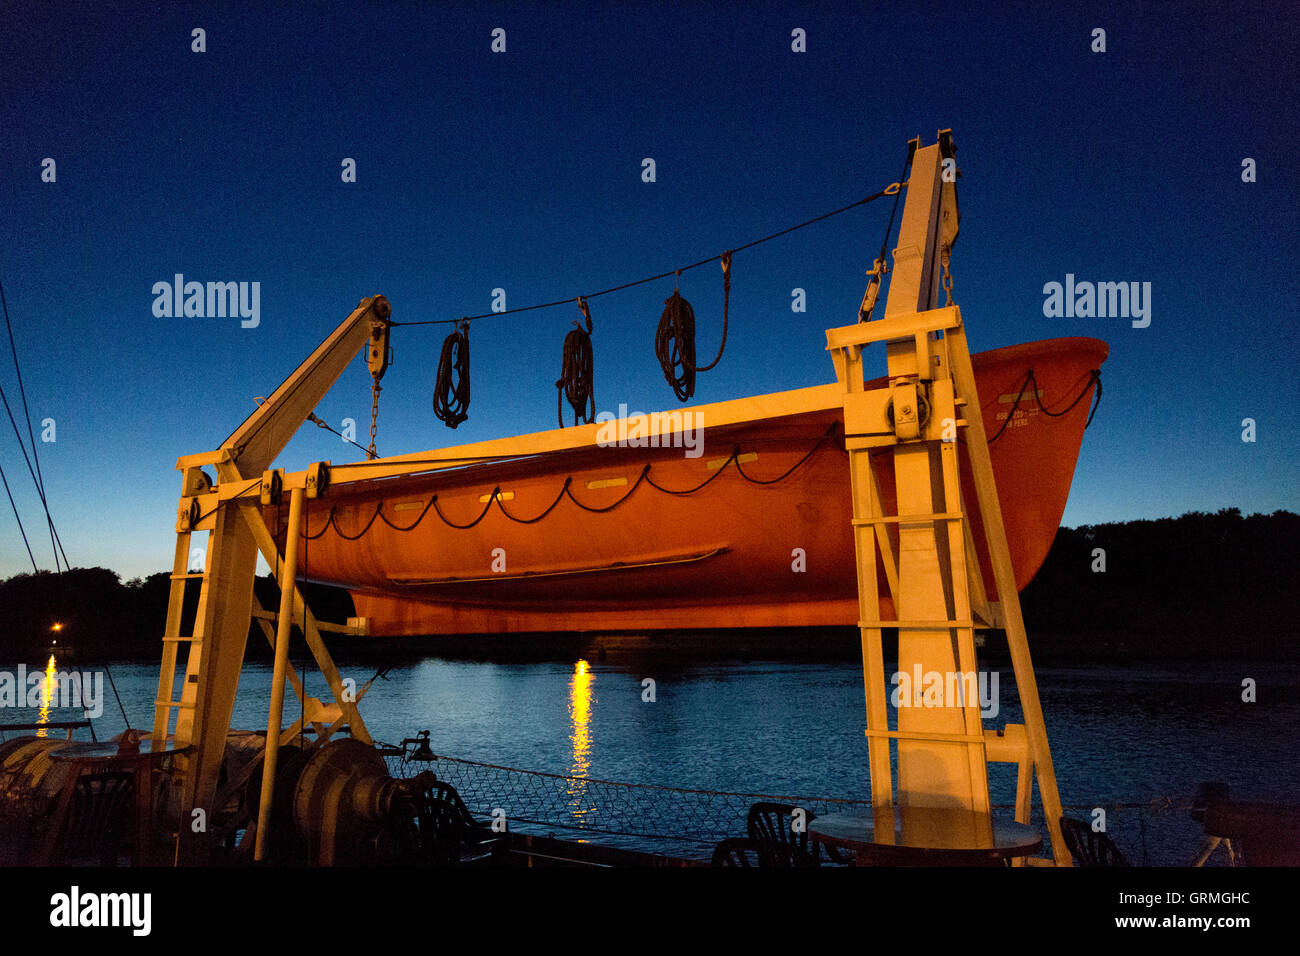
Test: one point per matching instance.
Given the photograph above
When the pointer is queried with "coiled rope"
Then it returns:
(577, 378)
(675, 337)
(451, 396)
(674, 341)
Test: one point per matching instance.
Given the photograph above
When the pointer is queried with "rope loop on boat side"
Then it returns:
(1094, 378)
(566, 491)
(1031, 385)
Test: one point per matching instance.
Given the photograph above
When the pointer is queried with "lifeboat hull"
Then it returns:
(753, 531)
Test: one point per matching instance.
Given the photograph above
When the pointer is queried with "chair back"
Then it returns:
(1089, 847)
(99, 820)
(771, 825)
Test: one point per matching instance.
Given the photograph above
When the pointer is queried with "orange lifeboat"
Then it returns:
(624, 537)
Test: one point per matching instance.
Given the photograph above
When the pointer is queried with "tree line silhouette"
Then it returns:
(1202, 584)
(101, 617)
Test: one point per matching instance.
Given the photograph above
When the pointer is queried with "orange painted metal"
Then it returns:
(640, 557)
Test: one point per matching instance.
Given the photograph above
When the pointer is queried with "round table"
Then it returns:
(926, 836)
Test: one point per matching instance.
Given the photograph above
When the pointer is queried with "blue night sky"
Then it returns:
(522, 171)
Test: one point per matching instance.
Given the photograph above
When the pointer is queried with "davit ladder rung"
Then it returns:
(907, 519)
(921, 625)
(180, 577)
(920, 735)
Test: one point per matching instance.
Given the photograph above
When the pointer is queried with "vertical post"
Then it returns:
(276, 716)
(930, 773)
(212, 672)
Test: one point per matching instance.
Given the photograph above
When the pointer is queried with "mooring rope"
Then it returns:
(55, 541)
(891, 190)
(674, 341)
(451, 395)
(18, 518)
(675, 337)
(311, 417)
(577, 377)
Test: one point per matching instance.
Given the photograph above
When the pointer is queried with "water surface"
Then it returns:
(1121, 735)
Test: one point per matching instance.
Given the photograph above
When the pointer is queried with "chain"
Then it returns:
(947, 276)
(374, 421)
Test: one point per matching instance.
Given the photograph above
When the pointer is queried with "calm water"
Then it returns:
(1120, 735)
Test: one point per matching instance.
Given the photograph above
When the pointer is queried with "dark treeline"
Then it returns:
(104, 618)
(1203, 584)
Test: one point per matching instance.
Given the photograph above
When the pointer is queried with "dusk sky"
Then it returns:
(522, 170)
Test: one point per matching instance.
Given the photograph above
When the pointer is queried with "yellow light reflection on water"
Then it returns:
(47, 694)
(580, 700)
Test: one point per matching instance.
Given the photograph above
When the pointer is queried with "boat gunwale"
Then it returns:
(823, 401)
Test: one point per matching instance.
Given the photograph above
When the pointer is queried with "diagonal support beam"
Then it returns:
(1004, 575)
(255, 444)
(302, 615)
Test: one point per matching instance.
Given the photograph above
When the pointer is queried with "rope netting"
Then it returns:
(676, 821)
(688, 823)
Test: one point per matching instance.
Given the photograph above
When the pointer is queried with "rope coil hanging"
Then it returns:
(675, 343)
(451, 397)
(577, 378)
(675, 337)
